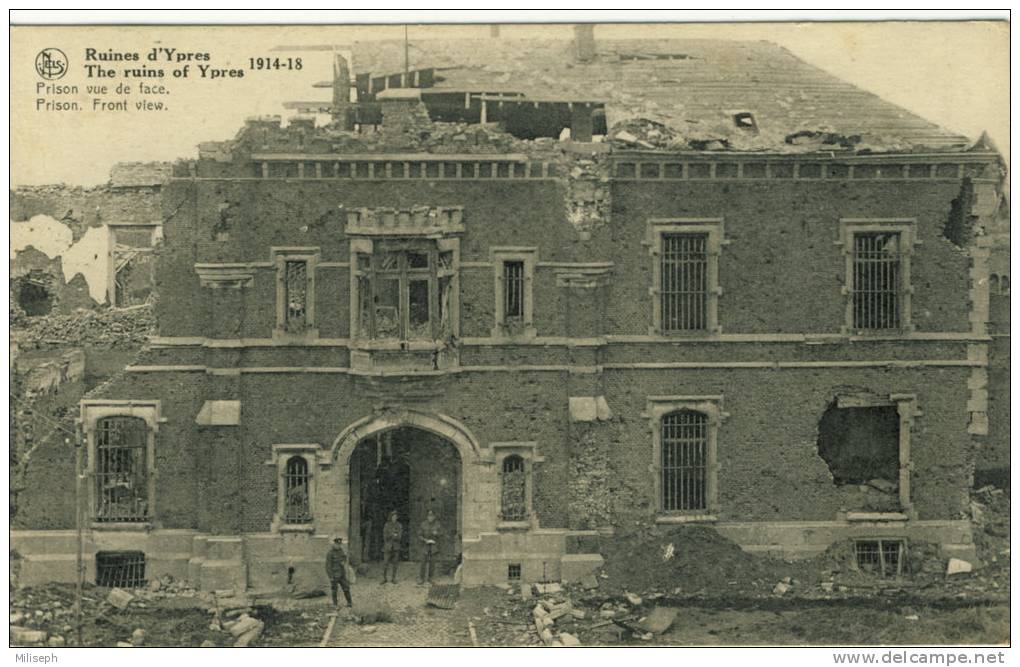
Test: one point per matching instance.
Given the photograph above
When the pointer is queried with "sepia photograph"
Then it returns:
(489, 332)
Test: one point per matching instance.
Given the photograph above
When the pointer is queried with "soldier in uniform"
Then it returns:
(336, 570)
(393, 535)
(429, 534)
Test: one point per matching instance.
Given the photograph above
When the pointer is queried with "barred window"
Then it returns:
(684, 295)
(122, 488)
(296, 294)
(883, 558)
(514, 504)
(684, 461)
(297, 508)
(513, 291)
(876, 280)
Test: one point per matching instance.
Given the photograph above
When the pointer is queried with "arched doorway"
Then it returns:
(409, 470)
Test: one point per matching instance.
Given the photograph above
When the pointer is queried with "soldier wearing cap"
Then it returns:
(336, 570)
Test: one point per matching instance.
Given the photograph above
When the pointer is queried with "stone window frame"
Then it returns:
(527, 450)
(282, 453)
(848, 229)
(91, 411)
(500, 256)
(366, 246)
(656, 408)
(714, 228)
(280, 256)
(906, 408)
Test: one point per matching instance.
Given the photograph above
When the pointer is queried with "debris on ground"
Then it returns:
(443, 596)
(119, 598)
(958, 566)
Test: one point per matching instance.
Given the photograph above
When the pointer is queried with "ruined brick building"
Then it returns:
(549, 290)
(74, 247)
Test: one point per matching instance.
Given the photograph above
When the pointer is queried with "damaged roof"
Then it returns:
(703, 90)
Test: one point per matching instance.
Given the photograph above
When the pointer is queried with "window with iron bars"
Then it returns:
(122, 488)
(513, 292)
(295, 294)
(684, 292)
(514, 501)
(684, 461)
(120, 569)
(876, 280)
(883, 558)
(297, 499)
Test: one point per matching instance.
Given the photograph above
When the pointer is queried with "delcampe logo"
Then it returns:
(51, 64)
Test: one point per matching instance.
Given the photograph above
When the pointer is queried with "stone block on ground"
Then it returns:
(22, 636)
(243, 625)
(250, 635)
(958, 566)
(119, 598)
(568, 639)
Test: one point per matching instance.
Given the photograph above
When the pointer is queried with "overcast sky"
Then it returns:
(954, 74)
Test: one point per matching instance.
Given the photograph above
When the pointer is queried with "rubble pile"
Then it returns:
(577, 614)
(686, 561)
(100, 328)
(645, 133)
(433, 137)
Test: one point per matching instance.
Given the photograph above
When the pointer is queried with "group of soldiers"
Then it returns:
(337, 561)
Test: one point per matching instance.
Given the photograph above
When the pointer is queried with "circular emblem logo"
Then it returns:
(51, 64)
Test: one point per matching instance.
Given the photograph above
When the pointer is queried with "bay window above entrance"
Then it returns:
(404, 287)
(404, 290)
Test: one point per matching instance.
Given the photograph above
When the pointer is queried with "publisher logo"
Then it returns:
(51, 64)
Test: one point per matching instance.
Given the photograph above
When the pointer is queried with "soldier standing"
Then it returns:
(393, 535)
(429, 534)
(336, 570)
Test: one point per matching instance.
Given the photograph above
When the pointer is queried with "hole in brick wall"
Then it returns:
(882, 558)
(861, 444)
(34, 295)
(120, 569)
(513, 572)
(959, 225)
(290, 575)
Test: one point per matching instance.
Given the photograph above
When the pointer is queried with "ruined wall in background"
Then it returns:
(63, 243)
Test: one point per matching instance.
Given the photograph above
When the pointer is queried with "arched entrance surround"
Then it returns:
(478, 504)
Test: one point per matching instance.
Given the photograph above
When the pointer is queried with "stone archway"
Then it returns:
(478, 506)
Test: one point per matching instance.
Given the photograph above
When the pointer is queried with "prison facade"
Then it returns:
(543, 340)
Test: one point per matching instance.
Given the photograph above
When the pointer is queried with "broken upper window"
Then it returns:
(404, 291)
(122, 484)
(684, 438)
(295, 291)
(862, 446)
(685, 288)
(877, 282)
